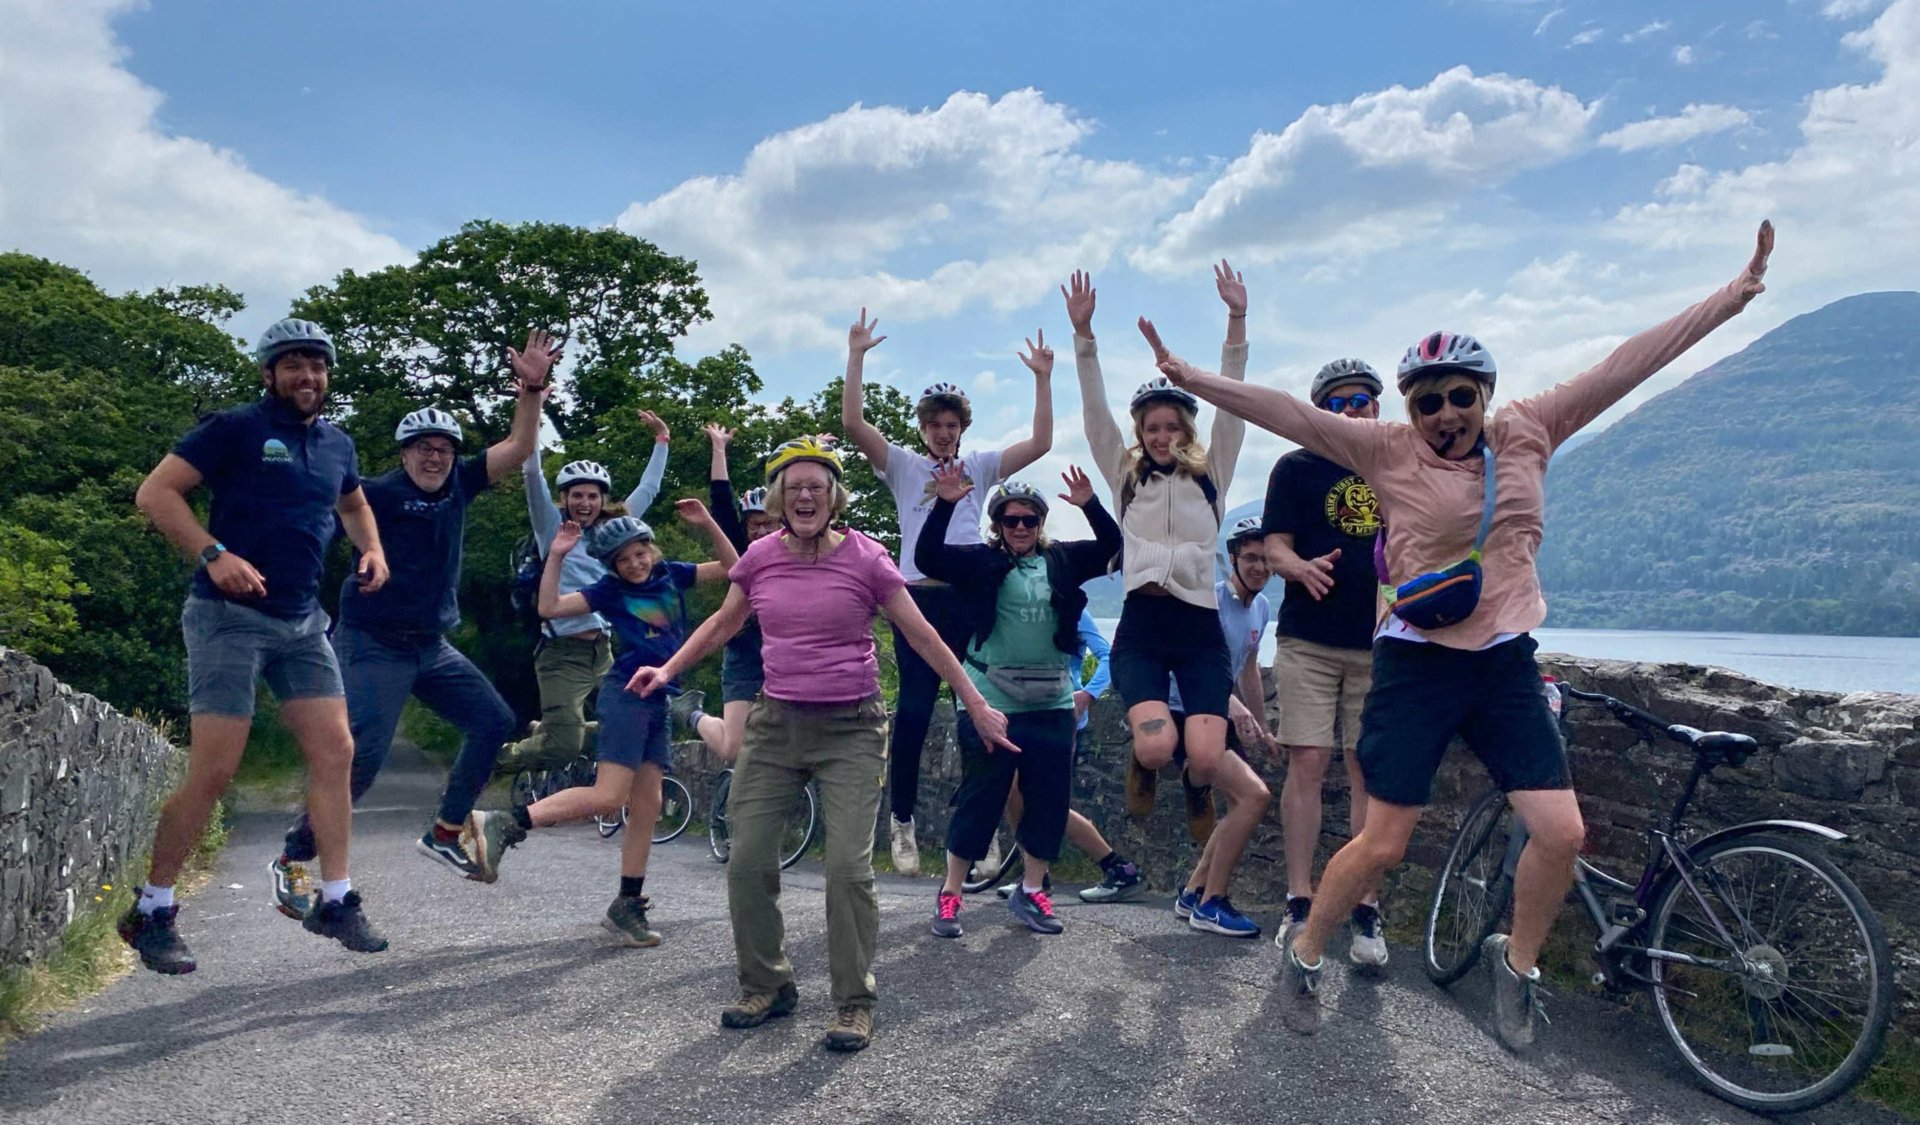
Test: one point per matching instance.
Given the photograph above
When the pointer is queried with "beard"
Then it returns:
(292, 398)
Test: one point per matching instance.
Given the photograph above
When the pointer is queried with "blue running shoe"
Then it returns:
(1217, 915)
(1185, 903)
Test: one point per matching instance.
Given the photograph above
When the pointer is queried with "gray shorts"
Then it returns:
(231, 646)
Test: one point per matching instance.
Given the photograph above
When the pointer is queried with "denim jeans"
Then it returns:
(380, 673)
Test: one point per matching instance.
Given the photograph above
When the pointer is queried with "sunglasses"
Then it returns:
(1020, 521)
(1461, 397)
(1337, 403)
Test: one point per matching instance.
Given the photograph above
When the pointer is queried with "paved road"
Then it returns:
(506, 1004)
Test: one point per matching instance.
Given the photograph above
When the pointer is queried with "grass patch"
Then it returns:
(1895, 1080)
(272, 768)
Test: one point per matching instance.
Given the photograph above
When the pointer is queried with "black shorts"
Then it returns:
(741, 673)
(1424, 694)
(1163, 639)
(1180, 739)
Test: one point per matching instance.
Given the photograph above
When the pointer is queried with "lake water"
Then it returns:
(1820, 663)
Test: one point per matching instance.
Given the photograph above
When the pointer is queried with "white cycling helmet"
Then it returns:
(944, 391)
(1341, 372)
(583, 472)
(1162, 390)
(293, 334)
(420, 423)
(1445, 352)
(753, 500)
(1011, 491)
(605, 541)
(1243, 530)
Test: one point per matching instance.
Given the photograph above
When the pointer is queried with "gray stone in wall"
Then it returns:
(79, 790)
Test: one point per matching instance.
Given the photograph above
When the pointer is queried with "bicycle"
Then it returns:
(676, 812)
(983, 878)
(1768, 969)
(794, 840)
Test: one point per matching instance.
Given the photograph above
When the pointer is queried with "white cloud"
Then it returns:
(1683, 55)
(1586, 35)
(1653, 28)
(89, 177)
(1547, 20)
(1849, 9)
(1366, 175)
(1660, 132)
(1761, 29)
(851, 210)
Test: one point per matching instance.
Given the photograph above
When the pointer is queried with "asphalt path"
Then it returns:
(509, 1004)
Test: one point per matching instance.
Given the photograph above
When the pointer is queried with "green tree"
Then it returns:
(36, 591)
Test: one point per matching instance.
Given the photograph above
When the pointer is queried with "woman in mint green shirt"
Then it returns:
(1020, 598)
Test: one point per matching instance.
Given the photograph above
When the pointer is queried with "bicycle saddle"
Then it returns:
(1717, 746)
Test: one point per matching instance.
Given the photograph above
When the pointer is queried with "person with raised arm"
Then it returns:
(643, 597)
(1170, 493)
(1462, 492)
(819, 718)
(944, 415)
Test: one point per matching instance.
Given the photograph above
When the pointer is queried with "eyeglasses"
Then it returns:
(1337, 403)
(810, 489)
(1020, 521)
(433, 450)
(1461, 397)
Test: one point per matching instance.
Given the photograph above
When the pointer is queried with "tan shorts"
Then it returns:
(1317, 683)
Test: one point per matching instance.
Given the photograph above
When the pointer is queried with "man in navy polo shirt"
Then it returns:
(279, 476)
(391, 642)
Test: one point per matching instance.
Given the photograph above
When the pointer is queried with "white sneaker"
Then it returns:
(991, 863)
(1368, 948)
(906, 849)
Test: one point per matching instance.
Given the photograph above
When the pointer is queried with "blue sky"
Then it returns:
(1549, 175)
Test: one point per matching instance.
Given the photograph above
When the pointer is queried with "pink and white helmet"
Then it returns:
(1447, 351)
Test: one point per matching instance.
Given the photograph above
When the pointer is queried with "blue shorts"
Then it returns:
(633, 731)
(741, 673)
(230, 647)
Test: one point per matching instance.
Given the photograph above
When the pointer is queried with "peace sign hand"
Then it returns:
(860, 337)
(1079, 489)
(1039, 359)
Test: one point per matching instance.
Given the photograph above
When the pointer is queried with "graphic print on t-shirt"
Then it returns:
(931, 492)
(1352, 508)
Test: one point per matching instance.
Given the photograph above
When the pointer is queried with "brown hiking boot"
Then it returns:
(851, 1029)
(1199, 809)
(756, 1008)
(1141, 785)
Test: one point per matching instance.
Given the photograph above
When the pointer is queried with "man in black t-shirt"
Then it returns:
(1321, 519)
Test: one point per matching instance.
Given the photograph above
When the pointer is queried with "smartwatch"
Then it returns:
(212, 552)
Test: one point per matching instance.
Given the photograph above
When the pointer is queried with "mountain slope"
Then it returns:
(1776, 491)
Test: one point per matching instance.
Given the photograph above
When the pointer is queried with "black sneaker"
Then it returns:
(491, 834)
(1122, 883)
(946, 916)
(1034, 911)
(345, 923)
(626, 919)
(450, 853)
(153, 937)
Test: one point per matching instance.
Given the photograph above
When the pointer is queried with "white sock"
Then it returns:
(154, 898)
(333, 890)
(1030, 891)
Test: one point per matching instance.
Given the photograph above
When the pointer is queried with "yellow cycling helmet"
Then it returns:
(802, 449)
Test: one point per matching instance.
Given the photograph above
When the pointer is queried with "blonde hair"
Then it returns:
(777, 496)
(1187, 451)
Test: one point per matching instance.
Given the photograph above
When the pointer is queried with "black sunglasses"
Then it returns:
(1020, 521)
(1460, 397)
(1337, 403)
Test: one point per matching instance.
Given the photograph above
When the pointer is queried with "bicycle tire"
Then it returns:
(800, 827)
(719, 834)
(676, 810)
(1699, 995)
(610, 826)
(1470, 892)
(978, 880)
(524, 789)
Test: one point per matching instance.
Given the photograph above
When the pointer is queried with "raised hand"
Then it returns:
(530, 367)
(860, 337)
(827, 441)
(646, 681)
(1152, 334)
(718, 436)
(1080, 303)
(1232, 287)
(566, 539)
(1079, 488)
(1316, 575)
(1750, 282)
(950, 481)
(659, 425)
(1039, 357)
(693, 511)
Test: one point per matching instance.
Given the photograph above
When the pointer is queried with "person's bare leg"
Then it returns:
(1545, 873)
(1354, 868)
(643, 808)
(1206, 738)
(957, 869)
(612, 787)
(1301, 814)
(218, 741)
(1247, 801)
(1357, 807)
(736, 720)
(1153, 735)
(319, 726)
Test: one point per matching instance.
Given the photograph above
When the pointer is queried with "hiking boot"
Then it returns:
(756, 1008)
(490, 834)
(154, 938)
(1298, 907)
(1142, 784)
(906, 849)
(1217, 916)
(851, 1029)
(452, 853)
(681, 707)
(1185, 903)
(946, 916)
(345, 923)
(1199, 809)
(1368, 948)
(626, 919)
(1299, 989)
(1034, 910)
(1122, 882)
(292, 887)
(1005, 890)
(1516, 999)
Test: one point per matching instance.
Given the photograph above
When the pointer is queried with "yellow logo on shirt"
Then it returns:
(1353, 509)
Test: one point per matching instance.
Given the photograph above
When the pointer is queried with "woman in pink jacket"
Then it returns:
(1444, 662)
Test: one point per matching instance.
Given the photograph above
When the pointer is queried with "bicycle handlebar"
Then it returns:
(1627, 712)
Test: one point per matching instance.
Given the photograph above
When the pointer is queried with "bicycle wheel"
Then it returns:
(524, 790)
(979, 879)
(554, 780)
(800, 825)
(719, 837)
(610, 826)
(1793, 1010)
(1471, 891)
(676, 810)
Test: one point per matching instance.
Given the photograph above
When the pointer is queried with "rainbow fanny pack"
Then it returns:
(1446, 597)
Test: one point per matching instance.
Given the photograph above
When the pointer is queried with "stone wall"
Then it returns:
(79, 786)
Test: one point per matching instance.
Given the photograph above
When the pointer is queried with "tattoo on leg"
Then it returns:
(1153, 726)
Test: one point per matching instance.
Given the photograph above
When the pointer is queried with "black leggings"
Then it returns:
(1045, 768)
(919, 687)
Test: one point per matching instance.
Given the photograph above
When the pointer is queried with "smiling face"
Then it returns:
(299, 379)
(1017, 539)
(760, 525)
(1250, 565)
(941, 432)
(1453, 430)
(428, 461)
(583, 502)
(1348, 390)
(1161, 426)
(807, 497)
(634, 562)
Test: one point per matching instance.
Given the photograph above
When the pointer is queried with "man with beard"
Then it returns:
(278, 475)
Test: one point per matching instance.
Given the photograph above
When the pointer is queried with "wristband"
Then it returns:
(1236, 316)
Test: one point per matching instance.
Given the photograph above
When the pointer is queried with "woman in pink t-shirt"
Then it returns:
(1470, 672)
(820, 717)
